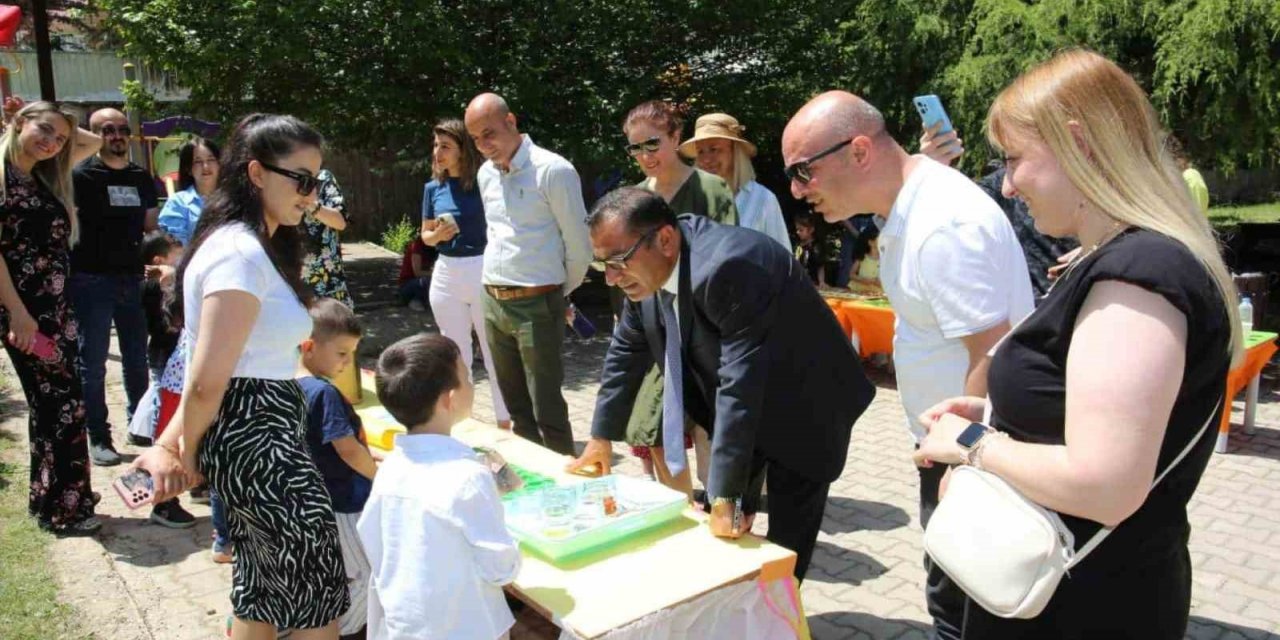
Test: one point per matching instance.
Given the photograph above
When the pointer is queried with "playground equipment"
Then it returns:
(10, 18)
(163, 138)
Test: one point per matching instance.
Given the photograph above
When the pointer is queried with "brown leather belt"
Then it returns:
(519, 293)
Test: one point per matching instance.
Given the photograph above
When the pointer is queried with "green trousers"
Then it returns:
(526, 338)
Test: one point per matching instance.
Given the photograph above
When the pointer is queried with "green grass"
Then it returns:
(29, 607)
(1227, 217)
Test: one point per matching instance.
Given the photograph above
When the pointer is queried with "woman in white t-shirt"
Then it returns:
(242, 418)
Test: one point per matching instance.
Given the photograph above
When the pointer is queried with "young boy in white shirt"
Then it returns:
(433, 526)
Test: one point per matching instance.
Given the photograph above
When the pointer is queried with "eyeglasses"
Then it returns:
(620, 261)
(307, 183)
(113, 130)
(800, 171)
(645, 146)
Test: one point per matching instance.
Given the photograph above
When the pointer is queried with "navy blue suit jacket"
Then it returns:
(766, 366)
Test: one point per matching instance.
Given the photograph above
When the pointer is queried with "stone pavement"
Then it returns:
(142, 581)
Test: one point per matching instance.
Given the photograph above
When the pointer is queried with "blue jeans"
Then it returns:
(415, 288)
(220, 534)
(100, 301)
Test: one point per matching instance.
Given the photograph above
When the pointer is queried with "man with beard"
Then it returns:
(116, 202)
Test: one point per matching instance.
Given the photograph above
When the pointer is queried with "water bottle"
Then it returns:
(1246, 316)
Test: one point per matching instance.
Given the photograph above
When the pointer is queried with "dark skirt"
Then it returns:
(288, 564)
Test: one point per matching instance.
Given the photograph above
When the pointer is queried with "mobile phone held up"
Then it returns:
(135, 488)
(931, 112)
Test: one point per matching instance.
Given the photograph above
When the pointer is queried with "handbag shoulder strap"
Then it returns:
(1105, 531)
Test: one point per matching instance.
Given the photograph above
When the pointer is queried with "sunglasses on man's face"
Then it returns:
(620, 261)
(307, 183)
(802, 171)
(645, 146)
(113, 130)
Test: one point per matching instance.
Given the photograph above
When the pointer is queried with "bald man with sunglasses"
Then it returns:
(116, 202)
(950, 265)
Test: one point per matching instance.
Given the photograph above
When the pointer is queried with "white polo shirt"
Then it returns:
(951, 266)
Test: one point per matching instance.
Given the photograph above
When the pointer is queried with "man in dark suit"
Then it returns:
(757, 357)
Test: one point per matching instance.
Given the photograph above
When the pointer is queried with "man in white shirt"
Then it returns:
(538, 252)
(950, 265)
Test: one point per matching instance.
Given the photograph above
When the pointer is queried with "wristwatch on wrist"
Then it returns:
(737, 510)
(970, 437)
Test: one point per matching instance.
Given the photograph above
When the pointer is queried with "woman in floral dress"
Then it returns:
(37, 228)
(322, 266)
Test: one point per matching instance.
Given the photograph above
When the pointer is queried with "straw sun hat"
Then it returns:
(716, 125)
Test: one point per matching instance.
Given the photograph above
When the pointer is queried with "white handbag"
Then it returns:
(1005, 551)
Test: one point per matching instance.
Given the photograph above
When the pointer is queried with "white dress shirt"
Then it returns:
(758, 209)
(434, 534)
(537, 221)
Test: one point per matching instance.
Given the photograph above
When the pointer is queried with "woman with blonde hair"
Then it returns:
(453, 223)
(718, 147)
(1072, 426)
(38, 227)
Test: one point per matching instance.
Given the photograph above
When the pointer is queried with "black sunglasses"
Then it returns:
(620, 261)
(111, 130)
(646, 146)
(307, 183)
(800, 172)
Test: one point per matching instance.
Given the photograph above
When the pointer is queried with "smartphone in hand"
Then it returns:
(43, 347)
(135, 488)
(931, 112)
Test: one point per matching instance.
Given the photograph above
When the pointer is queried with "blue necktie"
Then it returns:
(672, 390)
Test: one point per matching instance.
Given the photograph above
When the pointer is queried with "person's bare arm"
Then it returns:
(356, 456)
(226, 320)
(152, 220)
(1116, 415)
(979, 346)
(22, 327)
(86, 143)
(331, 218)
(433, 232)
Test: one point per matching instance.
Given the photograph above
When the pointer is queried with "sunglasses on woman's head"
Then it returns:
(307, 183)
(645, 146)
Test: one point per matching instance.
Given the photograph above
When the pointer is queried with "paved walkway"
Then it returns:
(139, 580)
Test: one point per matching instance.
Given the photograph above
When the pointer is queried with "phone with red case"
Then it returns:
(43, 347)
(135, 488)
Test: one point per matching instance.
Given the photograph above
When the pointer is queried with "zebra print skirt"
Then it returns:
(288, 565)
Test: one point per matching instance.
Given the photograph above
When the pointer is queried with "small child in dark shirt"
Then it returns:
(336, 439)
(809, 249)
(161, 253)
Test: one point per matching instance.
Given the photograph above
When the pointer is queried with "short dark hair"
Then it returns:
(412, 375)
(157, 244)
(639, 209)
(330, 319)
(806, 220)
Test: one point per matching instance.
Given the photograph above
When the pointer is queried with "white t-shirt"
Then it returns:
(232, 259)
(952, 267)
(758, 209)
(437, 542)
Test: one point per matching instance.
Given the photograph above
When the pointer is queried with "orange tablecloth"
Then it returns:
(1259, 347)
(873, 323)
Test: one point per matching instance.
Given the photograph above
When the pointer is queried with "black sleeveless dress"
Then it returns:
(1137, 583)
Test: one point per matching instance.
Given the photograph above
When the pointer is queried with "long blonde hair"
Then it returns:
(54, 173)
(1129, 173)
(743, 171)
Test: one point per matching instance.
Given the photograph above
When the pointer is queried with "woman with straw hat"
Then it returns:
(719, 148)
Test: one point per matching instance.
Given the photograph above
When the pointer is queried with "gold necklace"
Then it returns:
(1116, 230)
